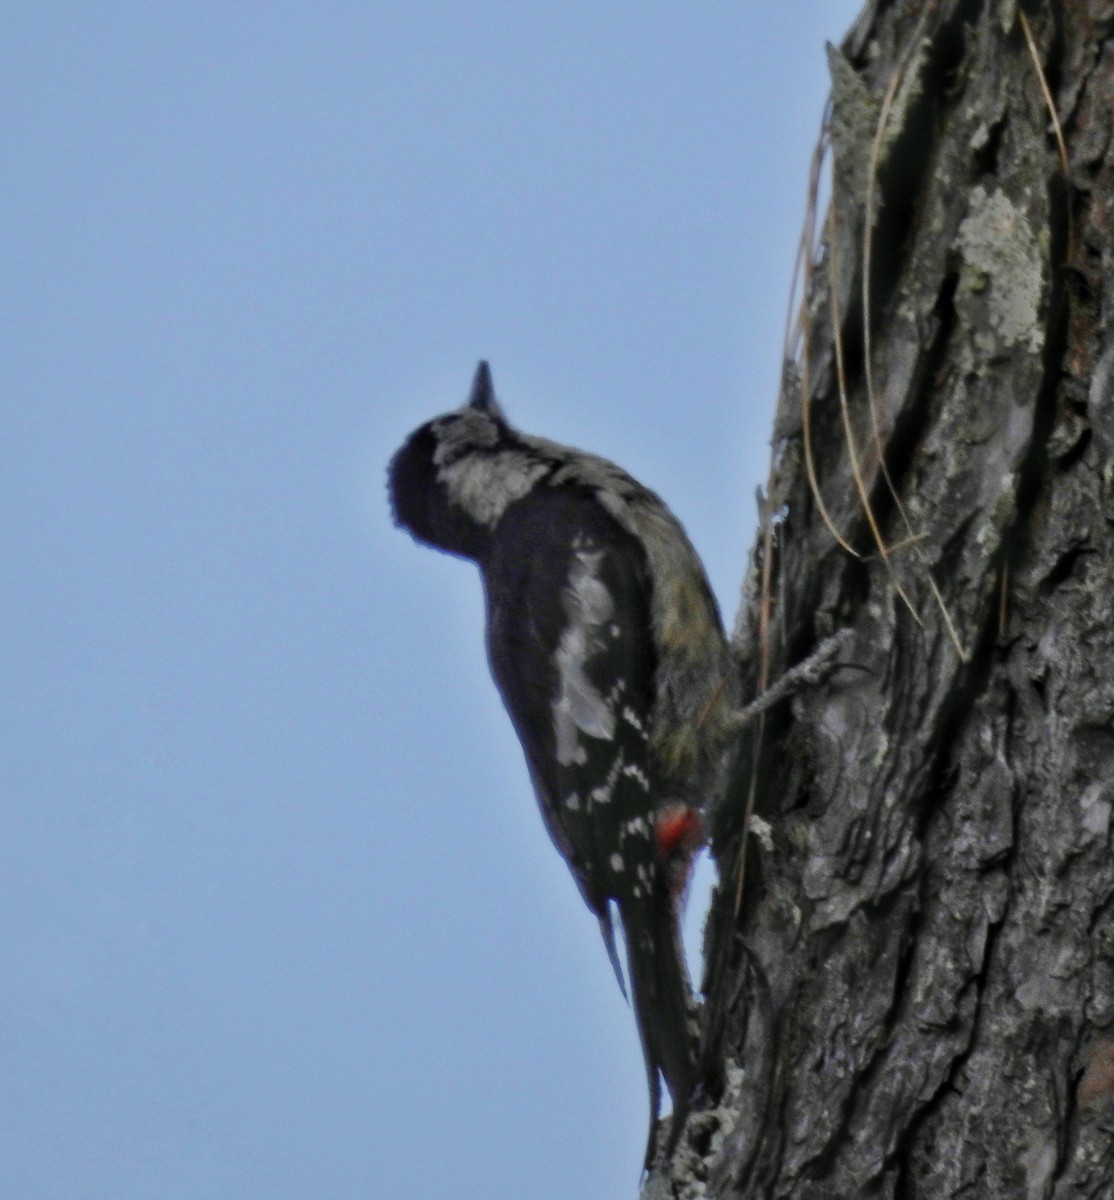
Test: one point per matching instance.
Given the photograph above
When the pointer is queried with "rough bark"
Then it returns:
(914, 995)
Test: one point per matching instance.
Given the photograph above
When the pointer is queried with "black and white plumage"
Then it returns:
(606, 645)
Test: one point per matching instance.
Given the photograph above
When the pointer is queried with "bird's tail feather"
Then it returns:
(663, 1003)
(608, 931)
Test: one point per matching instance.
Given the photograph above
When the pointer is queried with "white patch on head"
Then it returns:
(616, 861)
(578, 707)
(486, 485)
(476, 474)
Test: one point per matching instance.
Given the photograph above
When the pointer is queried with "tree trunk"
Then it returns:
(910, 992)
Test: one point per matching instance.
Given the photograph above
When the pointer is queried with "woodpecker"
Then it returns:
(607, 647)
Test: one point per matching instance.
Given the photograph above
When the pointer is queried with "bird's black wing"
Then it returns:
(570, 647)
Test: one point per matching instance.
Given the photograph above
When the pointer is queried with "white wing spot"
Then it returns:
(617, 863)
(603, 793)
(578, 708)
(572, 802)
(635, 772)
(631, 717)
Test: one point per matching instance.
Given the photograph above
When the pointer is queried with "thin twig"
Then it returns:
(868, 236)
(913, 537)
(848, 428)
(868, 250)
(1057, 129)
(805, 674)
(907, 543)
(808, 239)
(764, 608)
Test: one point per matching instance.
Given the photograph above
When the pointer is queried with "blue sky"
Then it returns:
(280, 918)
